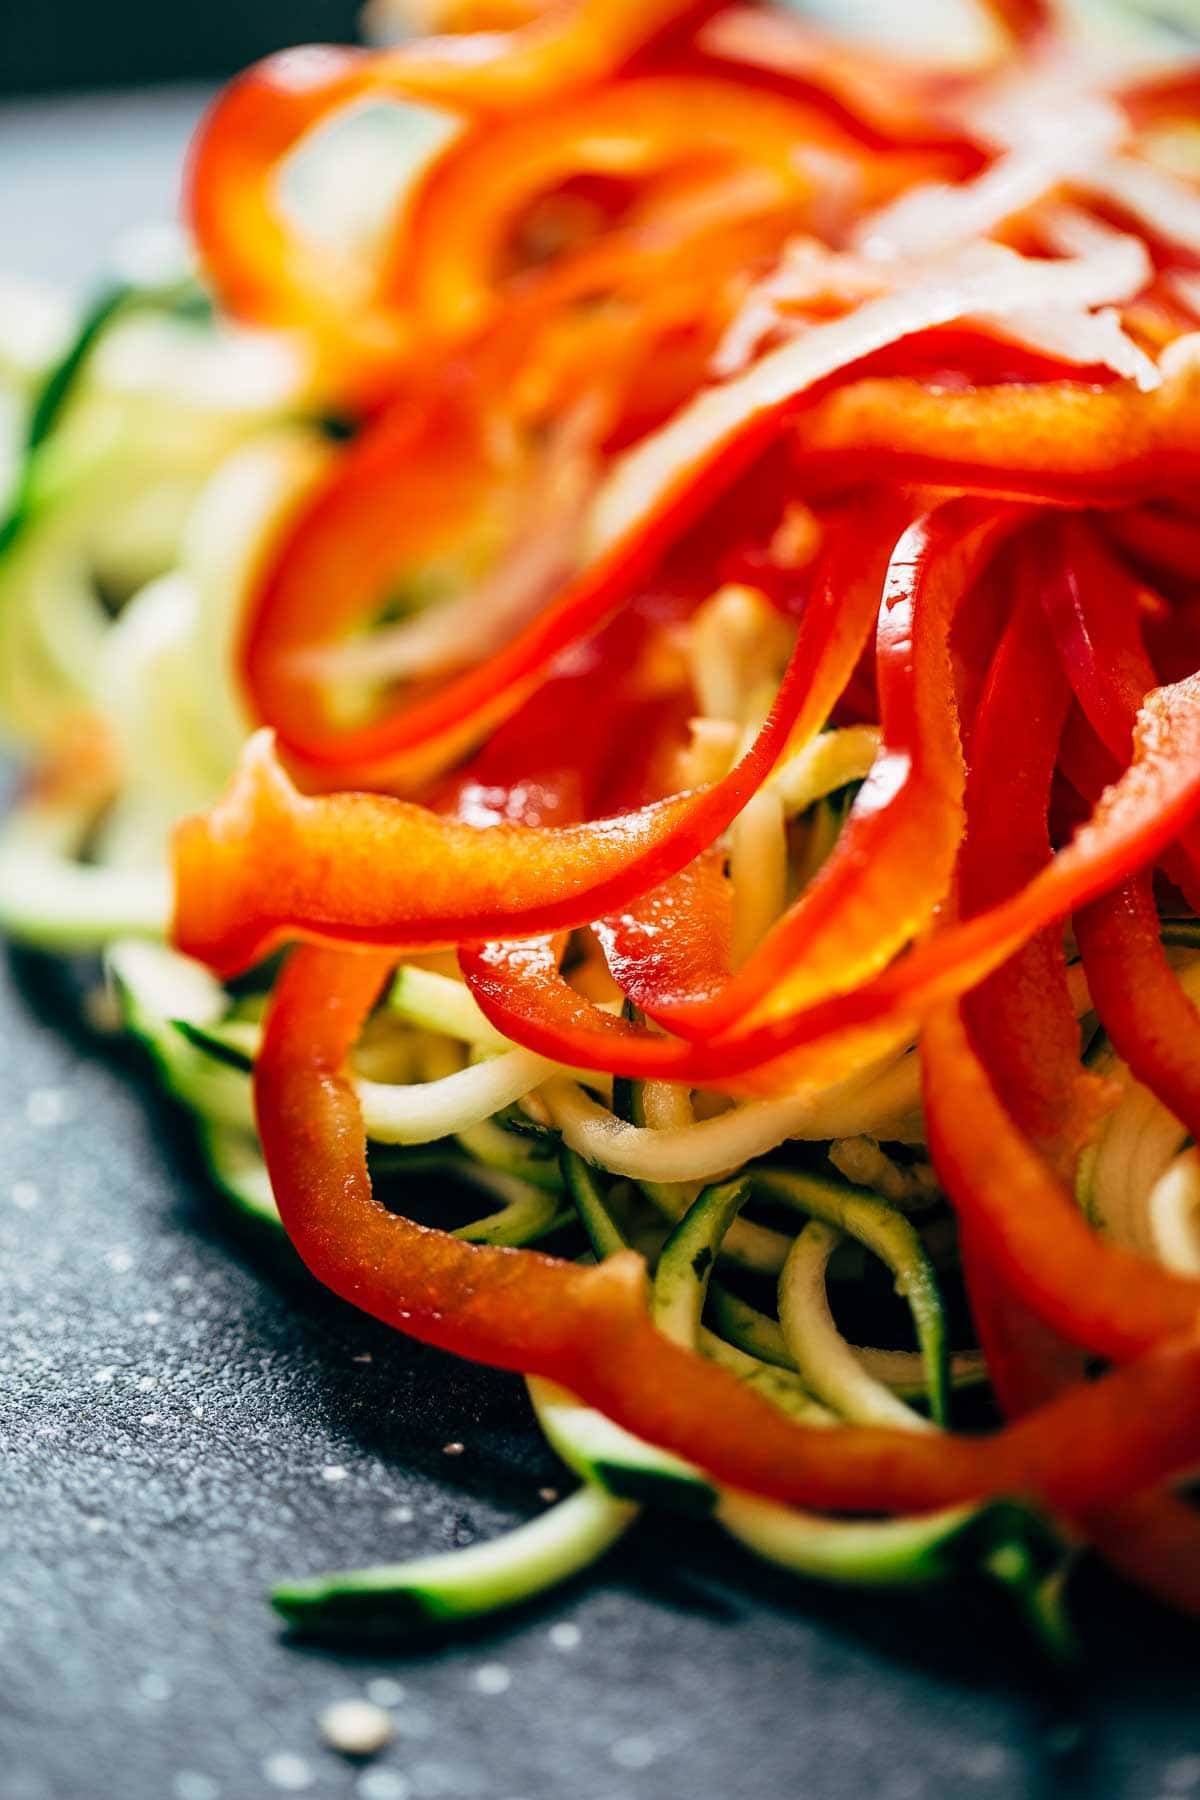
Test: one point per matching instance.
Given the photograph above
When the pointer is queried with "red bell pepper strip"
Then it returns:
(1028, 1362)
(676, 924)
(893, 861)
(1021, 1018)
(1027, 1224)
(455, 247)
(396, 487)
(1154, 800)
(885, 102)
(363, 868)
(1150, 1019)
(260, 266)
(1161, 540)
(589, 1328)
(472, 887)
(1060, 441)
(1153, 1538)
(1092, 605)
(655, 491)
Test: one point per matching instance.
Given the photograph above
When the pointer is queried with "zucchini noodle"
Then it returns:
(618, 625)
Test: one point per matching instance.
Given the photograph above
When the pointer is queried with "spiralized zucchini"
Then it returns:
(153, 459)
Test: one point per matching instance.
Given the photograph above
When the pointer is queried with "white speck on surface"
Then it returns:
(983, 1762)
(1182, 1774)
(47, 1106)
(383, 1784)
(334, 1472)
(455, 1449)
(181, 1283)
(151, 1318)
(356, 1727)
(383, 1691)
(363, 1357)
(633, 1752)
(95, 1526)
(399, 1515)
(146, 1382)
(284, 1770)
(25, 1195)
(151, 1419)
(190, 1784)
(154, 1686)
(493, 1678)
(104, 1376)
(120, 1260)
(548, 1494)
(565, 1636)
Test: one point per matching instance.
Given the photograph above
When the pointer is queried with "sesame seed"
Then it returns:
(548, 1494)
(355, 1727)
(334, 1472)
(399, 1515)
(453, 1449)
(565, 1636)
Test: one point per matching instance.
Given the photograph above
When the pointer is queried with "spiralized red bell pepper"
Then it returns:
(1021, 1018)
(1053, 441)
(984, 537)
(590, 1330)
(259, 263)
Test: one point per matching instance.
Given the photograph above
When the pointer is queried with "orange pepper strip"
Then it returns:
(894, 858)
(448, 257)
(1021, 1018)
(589, 1328)
(1155, 799)
(267, 863)
(1055, 440)
(452, 883)
(260, 265)
(1150, 1019)
(1026, 1222)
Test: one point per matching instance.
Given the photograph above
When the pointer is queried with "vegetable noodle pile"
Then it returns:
(616, 673)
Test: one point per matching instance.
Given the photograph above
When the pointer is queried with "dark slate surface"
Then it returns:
(174, 1403)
